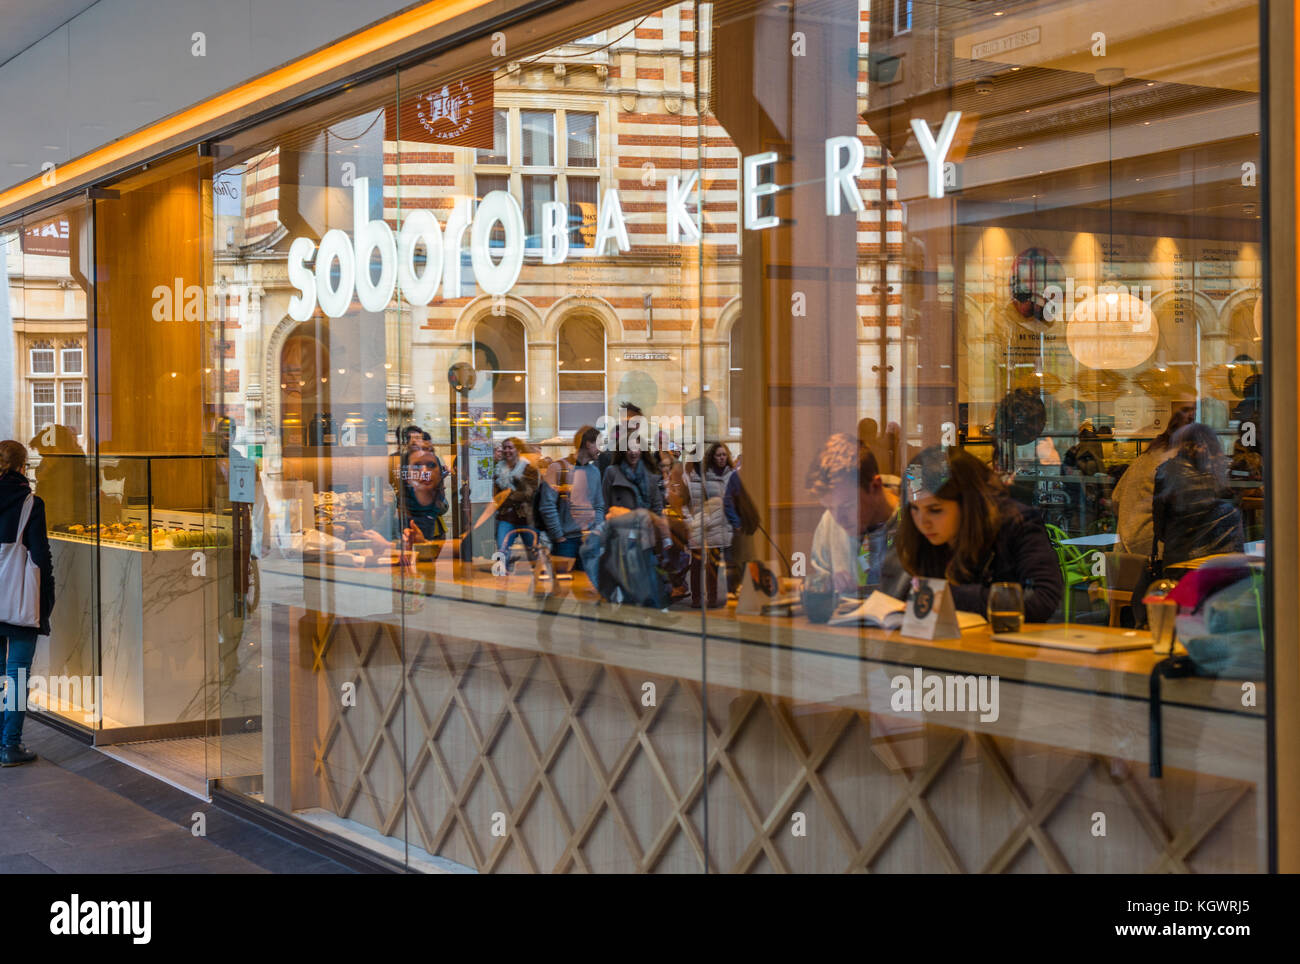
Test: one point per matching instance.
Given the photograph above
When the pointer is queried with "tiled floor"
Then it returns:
(76, 810)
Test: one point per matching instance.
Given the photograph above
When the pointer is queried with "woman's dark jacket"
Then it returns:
(14, 489)
(1021, 553)
(632, 488)
(1189, 516)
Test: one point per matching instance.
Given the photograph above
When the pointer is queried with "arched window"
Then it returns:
(581, 364)
(501, 359)
(735, 381)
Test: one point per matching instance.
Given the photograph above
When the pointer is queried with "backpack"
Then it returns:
(628, 570)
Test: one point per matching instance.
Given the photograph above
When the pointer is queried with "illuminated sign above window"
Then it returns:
(317, 286)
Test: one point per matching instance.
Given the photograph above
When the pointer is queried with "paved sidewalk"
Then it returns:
(76, 810)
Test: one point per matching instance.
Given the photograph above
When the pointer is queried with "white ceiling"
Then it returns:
(23, 22)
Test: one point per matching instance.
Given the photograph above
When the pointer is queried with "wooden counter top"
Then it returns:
(626, 631)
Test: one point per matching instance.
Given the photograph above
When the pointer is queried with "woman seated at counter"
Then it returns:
(960, 525)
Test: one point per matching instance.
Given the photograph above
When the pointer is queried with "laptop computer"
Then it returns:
(1080, 639)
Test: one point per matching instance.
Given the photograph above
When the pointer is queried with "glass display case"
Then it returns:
(134, 501)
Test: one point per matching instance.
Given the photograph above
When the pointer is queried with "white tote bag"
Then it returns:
(20, 579)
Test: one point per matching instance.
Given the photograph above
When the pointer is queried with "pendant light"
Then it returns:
(1112, 328)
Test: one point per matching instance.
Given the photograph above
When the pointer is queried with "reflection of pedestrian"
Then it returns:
(1086, 456)
(882, 447)
(514, 483)
(631, 482)
(572, 501)
(63, 477)
(21, 510)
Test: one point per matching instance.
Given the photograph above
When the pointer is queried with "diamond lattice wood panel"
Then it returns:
(513, 760)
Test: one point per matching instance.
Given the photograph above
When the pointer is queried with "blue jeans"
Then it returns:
(567, 548)
(17, 651)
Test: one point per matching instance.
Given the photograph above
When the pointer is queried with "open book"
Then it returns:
(879, 609)
(885, 612)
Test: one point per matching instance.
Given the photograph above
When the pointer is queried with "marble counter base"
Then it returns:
(152, 614)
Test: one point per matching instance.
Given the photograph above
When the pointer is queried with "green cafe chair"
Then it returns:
(1076, 564)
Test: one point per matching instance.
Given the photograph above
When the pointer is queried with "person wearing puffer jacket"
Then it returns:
(710, 531)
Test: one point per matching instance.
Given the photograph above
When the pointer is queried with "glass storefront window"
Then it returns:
(668, 449)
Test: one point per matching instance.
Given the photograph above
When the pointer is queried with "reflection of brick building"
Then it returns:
(615, 110)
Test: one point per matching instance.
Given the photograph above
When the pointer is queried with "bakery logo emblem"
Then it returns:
(448, 113)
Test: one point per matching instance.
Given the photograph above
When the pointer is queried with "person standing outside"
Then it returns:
(18, 643)
(572, 501)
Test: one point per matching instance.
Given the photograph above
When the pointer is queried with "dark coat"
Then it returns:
(639, 489)
(1021, 553)
(1189, 516)
(14, 489)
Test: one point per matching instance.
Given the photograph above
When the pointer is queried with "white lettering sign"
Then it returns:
(679, 219)
(936, 150)
(841, 181)
(397, 267)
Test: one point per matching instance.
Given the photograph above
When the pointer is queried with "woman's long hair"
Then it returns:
(1200, 446)
(956, 476)
(711, 451)
(1181, 416)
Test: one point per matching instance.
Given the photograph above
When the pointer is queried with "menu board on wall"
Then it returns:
(1214, 271)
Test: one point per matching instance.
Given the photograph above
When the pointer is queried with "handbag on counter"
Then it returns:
(20, 578)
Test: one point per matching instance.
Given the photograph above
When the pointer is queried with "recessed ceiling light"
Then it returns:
(998, 13)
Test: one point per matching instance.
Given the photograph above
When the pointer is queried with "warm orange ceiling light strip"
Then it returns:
(336, 55)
